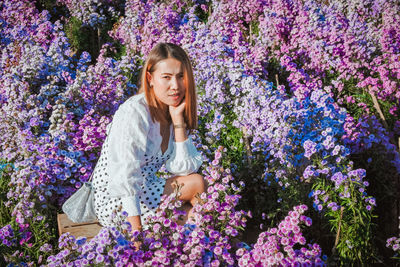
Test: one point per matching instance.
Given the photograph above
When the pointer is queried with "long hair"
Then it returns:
(158, 110)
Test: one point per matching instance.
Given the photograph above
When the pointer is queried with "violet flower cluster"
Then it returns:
(339, 39)
(92, 12)
(7, 236)
(394, 243)
(300, 140)
(278, 246)
(209, 238)
(42, 101)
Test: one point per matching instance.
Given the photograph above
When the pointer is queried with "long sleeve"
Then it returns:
(127, 145)
(185, 158)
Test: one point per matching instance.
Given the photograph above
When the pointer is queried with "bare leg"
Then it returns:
(193, 184)
(187, 207)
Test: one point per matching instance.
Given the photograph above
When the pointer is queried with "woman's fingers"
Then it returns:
(137, 244)
(177, 112)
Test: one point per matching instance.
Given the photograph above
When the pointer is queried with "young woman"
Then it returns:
(148, 130)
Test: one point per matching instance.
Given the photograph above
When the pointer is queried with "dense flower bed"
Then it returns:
(298, 103)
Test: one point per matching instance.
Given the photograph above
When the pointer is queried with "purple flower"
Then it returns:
(167, 222)
(217, 250)
(99, 258)
(310, 148)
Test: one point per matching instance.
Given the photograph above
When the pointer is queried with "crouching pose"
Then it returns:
(148, 130)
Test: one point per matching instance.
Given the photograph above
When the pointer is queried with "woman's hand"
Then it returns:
(137, 244)
(136, 226)
(135, 222)
(178, 119)
(177, 113)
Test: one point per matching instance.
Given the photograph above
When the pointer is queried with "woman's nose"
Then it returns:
(174, 83)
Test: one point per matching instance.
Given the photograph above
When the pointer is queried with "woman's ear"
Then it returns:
(149, 78)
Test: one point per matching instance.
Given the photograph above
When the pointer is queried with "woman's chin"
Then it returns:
(176, 103)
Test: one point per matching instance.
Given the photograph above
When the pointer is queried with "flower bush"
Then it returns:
(92, 13)
(207, 239)
(276, 246)
(303, 95)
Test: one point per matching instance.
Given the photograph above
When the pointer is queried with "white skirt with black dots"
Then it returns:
(109, 209)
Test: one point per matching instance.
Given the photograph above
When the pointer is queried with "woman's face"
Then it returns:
(167, 81)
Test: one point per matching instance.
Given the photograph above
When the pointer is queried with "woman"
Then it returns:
(148, 130)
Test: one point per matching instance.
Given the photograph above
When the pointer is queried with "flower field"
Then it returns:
(299, 127)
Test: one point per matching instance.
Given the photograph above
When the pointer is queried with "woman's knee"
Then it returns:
(199, 183)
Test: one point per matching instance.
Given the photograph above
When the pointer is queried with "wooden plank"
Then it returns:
(87, 229)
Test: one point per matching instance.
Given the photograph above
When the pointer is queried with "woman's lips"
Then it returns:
(175, 96)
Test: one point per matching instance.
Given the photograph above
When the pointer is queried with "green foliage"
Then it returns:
(85, 38)
(47, 4)
(5, 212)
(229, 137)
(81, 38)
(120, 51)
(42, 225)
(277, 74)
(253, 31)
(41, 234)
(203, 15)
(352, 223)
(384, 185)
(362, 98)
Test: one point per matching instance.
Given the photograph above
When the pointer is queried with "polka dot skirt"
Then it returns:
(108, 209)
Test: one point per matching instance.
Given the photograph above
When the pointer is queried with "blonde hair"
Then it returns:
(158, 110)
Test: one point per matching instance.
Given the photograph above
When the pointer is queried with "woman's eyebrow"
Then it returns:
(167, 73)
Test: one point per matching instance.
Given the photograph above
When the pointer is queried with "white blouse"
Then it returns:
(133, 134)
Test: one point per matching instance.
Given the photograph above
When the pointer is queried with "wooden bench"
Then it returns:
(87, 229)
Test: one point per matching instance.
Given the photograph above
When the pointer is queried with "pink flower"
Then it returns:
(217, 155)
(240, 252)
(215, 263)
(218, 250)
(279, 256)
(167, 222)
